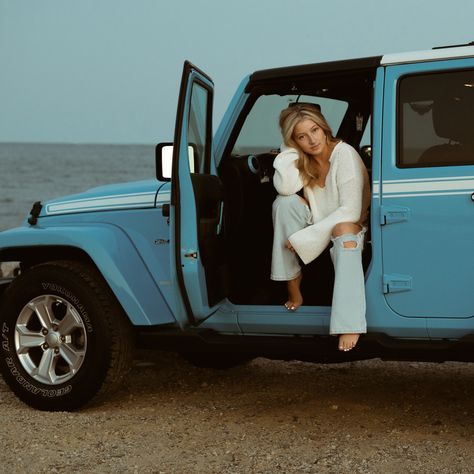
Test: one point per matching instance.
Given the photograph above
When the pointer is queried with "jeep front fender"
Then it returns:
(114, 255)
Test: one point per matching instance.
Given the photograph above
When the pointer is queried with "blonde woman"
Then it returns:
(336, 195)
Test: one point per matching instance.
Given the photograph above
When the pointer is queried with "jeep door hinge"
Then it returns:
(191, 254)
(395, 283)
(392, 214)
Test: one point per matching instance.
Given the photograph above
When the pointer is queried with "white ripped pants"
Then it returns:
(348, 308)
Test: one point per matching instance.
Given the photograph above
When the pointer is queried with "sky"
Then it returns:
(108, 71)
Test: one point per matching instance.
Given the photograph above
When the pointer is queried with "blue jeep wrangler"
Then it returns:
(182, 263)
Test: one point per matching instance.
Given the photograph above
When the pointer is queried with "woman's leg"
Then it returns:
(295, 298)
(290, 214)
(348, 305)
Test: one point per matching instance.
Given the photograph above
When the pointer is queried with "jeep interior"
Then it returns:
(246, 171)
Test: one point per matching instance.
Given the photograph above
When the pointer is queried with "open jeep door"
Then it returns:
(197, 198)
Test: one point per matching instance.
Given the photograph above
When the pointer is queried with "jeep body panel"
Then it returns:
(433, 259)
(116, 256)
(89, 221)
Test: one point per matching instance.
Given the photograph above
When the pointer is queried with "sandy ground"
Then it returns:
(264, 417)
(8, 269)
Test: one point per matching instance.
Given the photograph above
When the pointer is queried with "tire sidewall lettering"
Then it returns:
(5, 340)
(51, 393)
(73, 299)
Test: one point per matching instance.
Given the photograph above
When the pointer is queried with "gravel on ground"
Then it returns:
(263, 417)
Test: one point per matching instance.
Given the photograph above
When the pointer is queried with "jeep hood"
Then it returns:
(139, 194)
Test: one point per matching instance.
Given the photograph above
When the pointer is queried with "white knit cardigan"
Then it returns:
(344, 198)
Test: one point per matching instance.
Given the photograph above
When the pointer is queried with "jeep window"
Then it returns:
(199, 129)
(435, 116)
(366, 139)
(260, 132)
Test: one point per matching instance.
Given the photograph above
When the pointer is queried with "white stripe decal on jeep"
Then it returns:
(416, 180)
(107, 203)
(420, 187)
(388, 196)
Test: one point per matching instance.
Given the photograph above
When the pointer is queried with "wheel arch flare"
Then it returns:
(109, 249)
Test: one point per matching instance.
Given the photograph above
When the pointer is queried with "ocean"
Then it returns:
(37, 172)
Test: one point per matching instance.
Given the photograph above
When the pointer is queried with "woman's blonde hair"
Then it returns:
(289, 118)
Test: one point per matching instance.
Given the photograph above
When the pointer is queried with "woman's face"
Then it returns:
(310, 137)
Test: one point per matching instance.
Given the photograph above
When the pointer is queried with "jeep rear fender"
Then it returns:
(114, 255)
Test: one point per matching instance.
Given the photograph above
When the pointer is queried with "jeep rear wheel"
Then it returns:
(65, 338)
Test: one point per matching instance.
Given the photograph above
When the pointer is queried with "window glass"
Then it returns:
(366, 139)
(197, 129)
(436, 115)
(261, 133)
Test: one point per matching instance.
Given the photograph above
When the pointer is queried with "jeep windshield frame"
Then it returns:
(280, 76)
(349, 81)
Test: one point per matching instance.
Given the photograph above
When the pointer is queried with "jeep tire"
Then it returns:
(65, 338)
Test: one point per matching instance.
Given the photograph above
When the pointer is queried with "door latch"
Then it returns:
(392, 214)
(395, 283)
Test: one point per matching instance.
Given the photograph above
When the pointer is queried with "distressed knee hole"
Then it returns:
(348, 241)
(350, 244)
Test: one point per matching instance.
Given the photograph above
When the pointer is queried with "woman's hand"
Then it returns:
(289, 246)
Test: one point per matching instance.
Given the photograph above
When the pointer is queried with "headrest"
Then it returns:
(306, 104)
(452, 118)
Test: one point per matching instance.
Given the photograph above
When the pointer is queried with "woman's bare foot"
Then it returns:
(348, 341)
(295, 298)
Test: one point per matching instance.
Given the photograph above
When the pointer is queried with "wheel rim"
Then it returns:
(50, 339)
